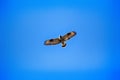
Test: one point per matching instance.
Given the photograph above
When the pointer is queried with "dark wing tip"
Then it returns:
(74, 32)
(45, 42)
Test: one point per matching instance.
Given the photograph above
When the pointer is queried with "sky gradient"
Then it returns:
(93, 54)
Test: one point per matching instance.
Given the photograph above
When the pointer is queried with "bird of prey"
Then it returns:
(61, 39)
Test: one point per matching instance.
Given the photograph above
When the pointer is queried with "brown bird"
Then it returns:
(61, 39)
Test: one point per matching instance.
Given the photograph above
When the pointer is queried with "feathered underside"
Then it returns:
(60, 40)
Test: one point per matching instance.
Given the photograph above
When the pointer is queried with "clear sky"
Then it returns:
(90, 55)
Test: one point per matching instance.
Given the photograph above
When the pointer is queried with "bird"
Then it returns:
(61, 39)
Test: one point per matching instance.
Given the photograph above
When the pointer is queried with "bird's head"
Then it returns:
(60, 37)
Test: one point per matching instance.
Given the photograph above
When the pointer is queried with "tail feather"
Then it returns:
(63, 45)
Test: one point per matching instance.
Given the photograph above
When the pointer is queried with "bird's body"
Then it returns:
(61, 39)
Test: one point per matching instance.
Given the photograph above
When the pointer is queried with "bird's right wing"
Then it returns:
(69, 35)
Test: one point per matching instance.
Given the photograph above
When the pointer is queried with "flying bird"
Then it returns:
(61, 39)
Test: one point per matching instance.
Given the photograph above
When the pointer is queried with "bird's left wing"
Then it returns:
(52, 41)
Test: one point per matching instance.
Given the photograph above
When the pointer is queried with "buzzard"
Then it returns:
(61, 39)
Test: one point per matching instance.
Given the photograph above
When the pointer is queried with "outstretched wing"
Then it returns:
(69, 35)
(52, 41)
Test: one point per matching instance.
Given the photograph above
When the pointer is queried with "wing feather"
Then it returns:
(52, 41)
(69, 35)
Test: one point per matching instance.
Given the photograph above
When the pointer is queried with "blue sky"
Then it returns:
(91, 55)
